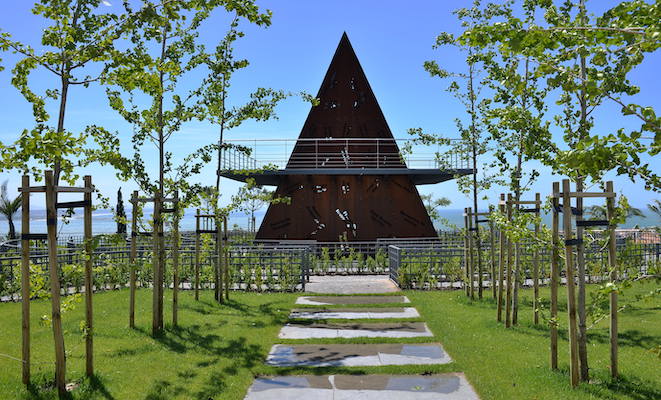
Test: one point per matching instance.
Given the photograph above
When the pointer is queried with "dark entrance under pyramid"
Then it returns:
(346, 177)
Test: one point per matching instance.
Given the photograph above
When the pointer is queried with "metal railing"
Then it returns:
(413, 263)
(362, 153)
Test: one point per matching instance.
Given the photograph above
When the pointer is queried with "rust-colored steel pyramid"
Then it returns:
(351, 206)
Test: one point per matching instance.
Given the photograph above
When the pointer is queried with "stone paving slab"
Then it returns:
(354, 313)
(325, 331)
(351, 284)
(336, 300)
(453, 386)
(356, 355)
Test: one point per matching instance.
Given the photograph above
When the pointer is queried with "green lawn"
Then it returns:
(514, 363)
(218, 349)
(210, 356)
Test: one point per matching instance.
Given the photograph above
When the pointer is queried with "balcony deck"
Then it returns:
(267, 161)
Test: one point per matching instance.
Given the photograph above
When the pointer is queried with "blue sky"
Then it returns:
(391, 38)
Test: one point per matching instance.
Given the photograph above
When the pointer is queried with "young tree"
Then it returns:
(165, 48)
(433, 203)
(516, 123)
(120, 214)
(586, 60)
(8, 208)
(466, 87)
(600, 212)
(254, 199)
(74, 51)
(655, 207)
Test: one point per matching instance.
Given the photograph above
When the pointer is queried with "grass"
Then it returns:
(209, 356)
(514, 363)
(218, 349)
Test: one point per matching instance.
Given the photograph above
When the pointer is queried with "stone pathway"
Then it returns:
(331, 319)
(344, 330)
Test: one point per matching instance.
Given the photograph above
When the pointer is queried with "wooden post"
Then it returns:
(175, 260)
(133, 254)
(471, 261)
(535, 264)
(508, 299)
(515, 281)
(492, 245)
(156, 259)
(612, 263)
(555, 275)
(571, 296)
(219, 259)
(161, 262)
(25, 276)
(478, 249)
(56, 322)
(89, 282)
(466, 252)
(197, 255)
(580, 274)
(226, 266)
(501, 260)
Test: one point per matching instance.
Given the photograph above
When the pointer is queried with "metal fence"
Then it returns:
(269, 265)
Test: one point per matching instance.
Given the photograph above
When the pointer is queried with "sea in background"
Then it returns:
(103, 221)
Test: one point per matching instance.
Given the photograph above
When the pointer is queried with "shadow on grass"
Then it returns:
(43, 388)
(242, 354)
(634, 389)
(276, 314)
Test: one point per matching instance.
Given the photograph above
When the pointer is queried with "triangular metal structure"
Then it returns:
(349, 124)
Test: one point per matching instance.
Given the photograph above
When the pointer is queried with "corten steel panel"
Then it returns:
(347, 109)
(326, 207)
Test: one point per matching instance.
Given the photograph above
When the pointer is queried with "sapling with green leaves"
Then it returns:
(74, 51)
(467, 86)
(586, 61)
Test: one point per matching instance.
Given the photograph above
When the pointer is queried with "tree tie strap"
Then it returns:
(74, 204)
(34, 236)
(574, 210)
(593, 222)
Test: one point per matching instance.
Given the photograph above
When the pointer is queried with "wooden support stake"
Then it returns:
(25, 277)
(508, 299)
(471, 260)
(132, 260)
(156, 260)
(219, 260)
(571, 296)
(555, 276)
(535, 264)
(580, 274)
(197, 255)
(501, 260)
(227, 261)
(161, 262)
(56, 317)
(175, 261)
(467, 275)
(492, 245)
(89, 282)
(612, 263)
(516, 283)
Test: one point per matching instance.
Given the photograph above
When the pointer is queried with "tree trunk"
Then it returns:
(474, 138)
(580, 255)
(12, 228)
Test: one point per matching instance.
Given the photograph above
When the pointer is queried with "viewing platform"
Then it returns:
(268, 160)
